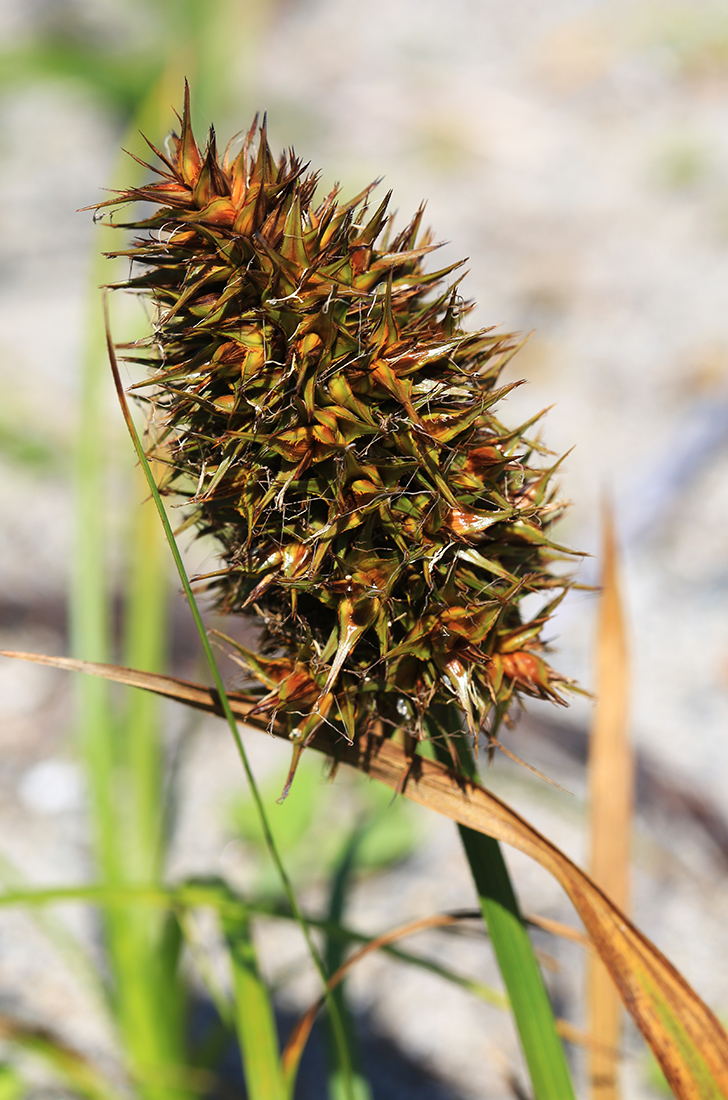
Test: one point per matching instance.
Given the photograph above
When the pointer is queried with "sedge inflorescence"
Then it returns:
(328, 420)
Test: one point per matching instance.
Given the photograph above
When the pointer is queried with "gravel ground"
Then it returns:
(578, 154)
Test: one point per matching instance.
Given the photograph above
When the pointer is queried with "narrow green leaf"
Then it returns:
(254, 1017)
(146, 634)
(121, 750)
(345, 1077)
(532, 1011)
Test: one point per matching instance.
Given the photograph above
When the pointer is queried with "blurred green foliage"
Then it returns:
(26, 448)
(118, 56)
(118, 64)
(313, 828)
(11, 1084)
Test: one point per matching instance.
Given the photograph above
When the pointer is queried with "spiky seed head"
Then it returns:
(332, 425)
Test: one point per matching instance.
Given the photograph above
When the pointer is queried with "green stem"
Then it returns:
(532, 1011)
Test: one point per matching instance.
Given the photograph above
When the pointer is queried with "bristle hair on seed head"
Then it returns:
(333, 427)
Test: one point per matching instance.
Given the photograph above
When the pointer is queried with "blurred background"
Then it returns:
(577, 154)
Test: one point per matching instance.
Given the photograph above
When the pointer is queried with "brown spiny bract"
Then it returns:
(331, 424)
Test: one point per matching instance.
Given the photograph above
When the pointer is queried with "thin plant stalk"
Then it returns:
(228, 713)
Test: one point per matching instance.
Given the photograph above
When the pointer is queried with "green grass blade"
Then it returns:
(345, 1077)
(204, 964)
(89, 602)
(153, 999)
(90, 636)
(146, 633)
(60, 937)
(254, 1018)
(532, 1011)
(188, 896)
(122, 752)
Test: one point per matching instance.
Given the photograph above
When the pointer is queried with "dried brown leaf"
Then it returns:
(611, 786)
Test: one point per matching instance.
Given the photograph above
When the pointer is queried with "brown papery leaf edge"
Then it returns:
(688, 1041)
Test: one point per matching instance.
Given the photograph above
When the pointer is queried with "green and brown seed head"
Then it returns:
(332, 425)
